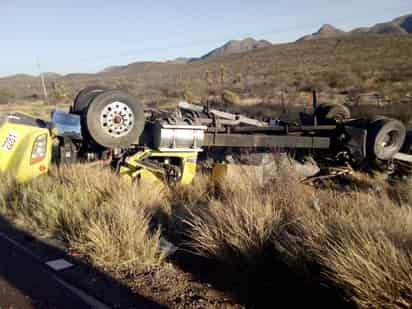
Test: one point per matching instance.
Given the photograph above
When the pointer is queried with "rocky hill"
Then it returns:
(400, 25)
(326, 31)
(236, 47)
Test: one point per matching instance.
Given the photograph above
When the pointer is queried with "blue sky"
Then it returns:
(88, 35)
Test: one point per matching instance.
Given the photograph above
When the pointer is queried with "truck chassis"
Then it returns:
(112, 126)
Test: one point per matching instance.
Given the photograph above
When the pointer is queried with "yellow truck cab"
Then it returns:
(25, 146)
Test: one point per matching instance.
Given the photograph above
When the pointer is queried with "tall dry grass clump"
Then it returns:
(363, 244)
(98, 214)
(121, 235)
(356, 245)
(241, 217)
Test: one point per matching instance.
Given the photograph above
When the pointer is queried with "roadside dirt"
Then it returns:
(168, 286)
(25, 284)
(11, 298)
(177, 289)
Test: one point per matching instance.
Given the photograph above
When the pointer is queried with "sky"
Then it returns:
(67, 36)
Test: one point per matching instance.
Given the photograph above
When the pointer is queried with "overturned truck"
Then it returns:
(113, 127)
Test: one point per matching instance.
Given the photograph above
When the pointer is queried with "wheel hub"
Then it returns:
(117, 119)
(389, 139)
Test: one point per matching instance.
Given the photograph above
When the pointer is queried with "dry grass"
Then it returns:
(241, 217)
(38, 109)
(357, 243)
(99, 215)
(363, 245)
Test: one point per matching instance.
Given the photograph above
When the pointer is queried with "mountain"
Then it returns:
(112, 68)
(231, 47)
(182, 60)
(236, 47)
(264, 73)
(326, 31)
(400, 25)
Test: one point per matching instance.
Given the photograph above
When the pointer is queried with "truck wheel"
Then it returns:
(385, 138)
(114, 119)
(84, 97)
(407, 145)
(330, 113)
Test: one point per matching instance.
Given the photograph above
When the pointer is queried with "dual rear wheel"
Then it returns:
(385, 136)
(111, 118)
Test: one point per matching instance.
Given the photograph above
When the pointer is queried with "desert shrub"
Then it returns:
(334, 79)
(6, 97)
(314, 83)
(33, 97)
(58, 93)
(401, 111)
(230, 97)
(188, 95)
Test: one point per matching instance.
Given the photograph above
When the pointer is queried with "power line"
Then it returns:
(43, 83)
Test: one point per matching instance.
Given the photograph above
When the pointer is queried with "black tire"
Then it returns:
(385, 138)
(376, 118)
(84, 97)
(106, 106)
(404, 169)
(407, 145)
(330, 113)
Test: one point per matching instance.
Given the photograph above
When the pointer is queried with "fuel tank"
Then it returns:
(176, 137)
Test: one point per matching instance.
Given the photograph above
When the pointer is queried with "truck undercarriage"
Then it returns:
(111, 126)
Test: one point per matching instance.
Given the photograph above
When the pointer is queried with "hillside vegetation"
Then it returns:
(342, 68)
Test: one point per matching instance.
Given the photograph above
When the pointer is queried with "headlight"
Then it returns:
(39, 149)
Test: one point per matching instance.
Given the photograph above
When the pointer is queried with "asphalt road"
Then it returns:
(26, 283)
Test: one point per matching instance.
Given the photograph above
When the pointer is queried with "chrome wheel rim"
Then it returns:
(117, 119)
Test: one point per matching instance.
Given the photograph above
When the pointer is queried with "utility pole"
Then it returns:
(43, 83)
